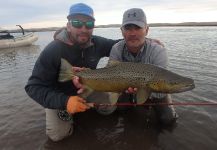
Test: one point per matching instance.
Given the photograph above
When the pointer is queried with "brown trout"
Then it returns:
(119, 76)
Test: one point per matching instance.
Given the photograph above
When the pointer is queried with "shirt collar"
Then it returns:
(129, 57)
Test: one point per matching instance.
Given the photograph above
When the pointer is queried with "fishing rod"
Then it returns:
(154, 104)
(63, 114)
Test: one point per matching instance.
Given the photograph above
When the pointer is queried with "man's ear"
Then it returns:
(146, 30)
(122, 31)
(68, 26)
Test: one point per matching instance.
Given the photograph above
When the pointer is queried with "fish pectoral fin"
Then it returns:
(113, 97)
(112, 63)
(87, 91)
(142, 95)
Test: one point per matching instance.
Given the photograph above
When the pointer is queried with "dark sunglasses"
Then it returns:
(79, 24)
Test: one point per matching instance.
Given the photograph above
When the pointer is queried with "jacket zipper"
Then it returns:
(82, 57)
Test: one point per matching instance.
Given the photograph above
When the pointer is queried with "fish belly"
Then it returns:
(106, 85)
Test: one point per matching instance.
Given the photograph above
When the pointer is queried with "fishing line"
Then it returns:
(154, 104)
(65, 116)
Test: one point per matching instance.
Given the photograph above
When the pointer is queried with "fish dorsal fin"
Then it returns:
(112, 63)
(65, 73)
(142, 95)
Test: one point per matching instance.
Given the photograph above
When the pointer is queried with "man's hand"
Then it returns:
(131, 90)
(77, 69)
(78, 85)
(76, 104)
(156, 41)
(76, 81)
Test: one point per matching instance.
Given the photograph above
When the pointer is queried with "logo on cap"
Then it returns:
(133, 14)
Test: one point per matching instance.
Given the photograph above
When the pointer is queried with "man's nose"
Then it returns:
(132, 31)
(84, 28)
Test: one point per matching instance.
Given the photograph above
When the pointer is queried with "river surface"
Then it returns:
(192, 52)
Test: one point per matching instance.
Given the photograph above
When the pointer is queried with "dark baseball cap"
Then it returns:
(134, 16)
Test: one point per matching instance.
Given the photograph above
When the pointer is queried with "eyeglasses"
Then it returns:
(79, 24)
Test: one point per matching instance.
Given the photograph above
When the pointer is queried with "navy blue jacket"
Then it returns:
(43, 86)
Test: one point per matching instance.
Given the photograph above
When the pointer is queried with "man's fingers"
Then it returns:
(77, 69)
(81, 100)
(131, 90)
(78, 85)
(90, 104)
(135, 89)
(76, 82)
(83, 106)
(81, 90)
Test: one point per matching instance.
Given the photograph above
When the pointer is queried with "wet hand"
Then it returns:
(77, 69)
(156, 41)
(78, 85)
(76, 81)
(131, 90)
(76, 104)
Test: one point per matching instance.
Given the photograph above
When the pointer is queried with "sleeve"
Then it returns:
(116, 52)
(110, 44)
(41, 85)
(159, 57)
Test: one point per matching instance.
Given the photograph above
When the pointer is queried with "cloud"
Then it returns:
(32, 12)
(31, 9)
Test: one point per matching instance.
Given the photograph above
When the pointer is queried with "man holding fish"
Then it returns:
(136, 48)
(76, 46)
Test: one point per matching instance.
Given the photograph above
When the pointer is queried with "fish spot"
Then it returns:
(175, 82)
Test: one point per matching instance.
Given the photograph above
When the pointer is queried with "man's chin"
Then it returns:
(133, 44)
(83, 41)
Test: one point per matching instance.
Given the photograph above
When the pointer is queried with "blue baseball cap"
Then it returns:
(81, 9)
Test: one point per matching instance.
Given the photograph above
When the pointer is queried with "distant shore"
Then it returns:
(184, 24)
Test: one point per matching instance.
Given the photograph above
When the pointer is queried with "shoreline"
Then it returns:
(184, 24)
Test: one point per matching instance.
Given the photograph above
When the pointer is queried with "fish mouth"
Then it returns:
(187, 87)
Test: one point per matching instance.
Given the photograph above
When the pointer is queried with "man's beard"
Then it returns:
(82, 40)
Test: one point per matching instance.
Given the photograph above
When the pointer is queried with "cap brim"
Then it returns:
(68, 17)
(138, 23)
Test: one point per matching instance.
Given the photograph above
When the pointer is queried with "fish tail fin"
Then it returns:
(66, 73)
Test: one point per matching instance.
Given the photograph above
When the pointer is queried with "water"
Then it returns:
(192, 52)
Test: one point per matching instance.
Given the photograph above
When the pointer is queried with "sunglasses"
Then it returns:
(79, 24)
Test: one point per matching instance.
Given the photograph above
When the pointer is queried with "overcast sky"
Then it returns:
(51, 13)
